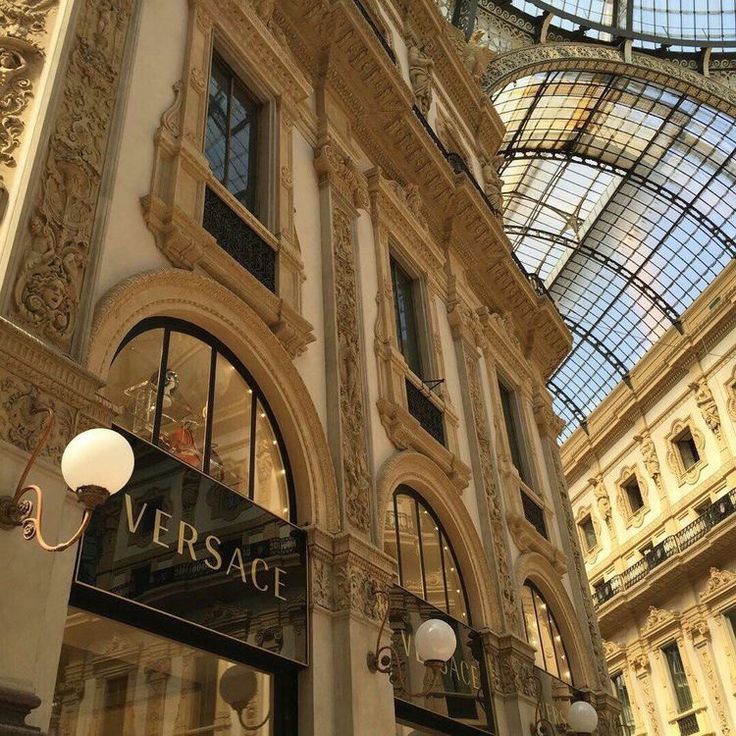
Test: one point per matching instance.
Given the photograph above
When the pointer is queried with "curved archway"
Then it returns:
(535, 568)
(518, 63)
(428, 480)
(205, 303)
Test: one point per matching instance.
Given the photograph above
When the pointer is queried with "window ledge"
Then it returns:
(188, 245)
(528, 539)
(637, 518)
(405, 432)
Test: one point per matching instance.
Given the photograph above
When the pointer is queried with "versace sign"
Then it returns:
(179, 543)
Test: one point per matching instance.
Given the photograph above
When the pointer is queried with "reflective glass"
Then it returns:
(455, 593)
(229, 460)
(434, 576)
(411, 566)
(116, 680)
(270, 486)
(132, 383)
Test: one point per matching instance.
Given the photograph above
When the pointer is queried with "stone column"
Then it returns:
(340, 695)
(56, 237)
(469, 339)
(549, 427)
(15, 705)
(342, 191)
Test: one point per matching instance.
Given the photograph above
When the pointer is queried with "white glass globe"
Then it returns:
(98, 457)
(435, 640)
(582, 717)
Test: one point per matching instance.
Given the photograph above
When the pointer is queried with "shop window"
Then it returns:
(683, 696)
(112, 678)
(514, 434)
(587, 531)
(206, 411)
(687, 449)
(427, 564)
(408, 318)
(626, 718)
(232, 137)
(544, 635)
(633, 493)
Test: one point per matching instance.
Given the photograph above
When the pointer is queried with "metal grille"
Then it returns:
(534, 514)
(239, 240)
(425, 411)
(688, 725)
(687, 536)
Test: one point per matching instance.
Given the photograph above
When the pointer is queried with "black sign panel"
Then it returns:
(181, 544)
(460, 699)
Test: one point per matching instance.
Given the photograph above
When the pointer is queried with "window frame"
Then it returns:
(673, 646)
(518, 430)
(169, 324)
(584, 522)
(626, 705)
(677, 441)
(421, 504)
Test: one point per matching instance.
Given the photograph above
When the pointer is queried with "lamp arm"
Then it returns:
(32, 524)
(246, 727)
(385, 658)
(21, 488)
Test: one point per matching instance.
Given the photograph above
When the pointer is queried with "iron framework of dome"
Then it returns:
(621, 197)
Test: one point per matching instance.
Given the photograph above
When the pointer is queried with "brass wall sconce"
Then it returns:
(435, 643)
(238, 687)
(95, 464)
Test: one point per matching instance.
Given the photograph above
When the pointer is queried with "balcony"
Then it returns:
(534, 514)
(425, 411)
(667, 548)
(239, 240)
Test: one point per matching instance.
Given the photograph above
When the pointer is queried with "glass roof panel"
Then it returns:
(680, 23)
(621, 196)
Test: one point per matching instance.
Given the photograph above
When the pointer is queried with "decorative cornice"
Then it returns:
(657, 620)
(719, 582)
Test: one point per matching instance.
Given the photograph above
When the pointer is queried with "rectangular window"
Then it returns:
(588, 532)
(677, 675)
(633, 494)
(619, 689)
(406, 303)
(232, 134)
(685, 445)
(513, 431)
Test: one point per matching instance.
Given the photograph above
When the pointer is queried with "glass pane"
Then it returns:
(454, 586)
(231, 422)
(185, 398)
(434, 580)
(115, 680)
(546, 640)
(270, 487)
(241, 171)
(411, 569)
(564, 664)
(389, 532)
(216, 138)
(530, 623)
(406, 317)
(133, 382)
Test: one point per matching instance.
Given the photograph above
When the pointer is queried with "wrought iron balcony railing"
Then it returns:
(667, 548)
(237, 238)
(534, 514)
(425, 411)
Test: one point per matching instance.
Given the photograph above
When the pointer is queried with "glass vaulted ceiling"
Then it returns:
(621, 196)
(689, 22)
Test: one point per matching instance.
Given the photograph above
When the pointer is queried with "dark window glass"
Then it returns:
(633, 494)
(679, 680)
(586, 525)
(544, 635)
(405, 309)
(427, 564)
(688, 451)
(619, 687)
(511, 421)
(231, 138)
(207, 411)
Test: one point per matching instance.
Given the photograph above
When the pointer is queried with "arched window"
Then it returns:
(543, 634)
(207, 410)
(427, 564)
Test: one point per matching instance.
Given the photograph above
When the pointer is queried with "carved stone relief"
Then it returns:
(23, 36)
(54, 242)
(356, 473)
(485, 450)
(421, 68)
(707, 405)
(492, 184)
(649, 456)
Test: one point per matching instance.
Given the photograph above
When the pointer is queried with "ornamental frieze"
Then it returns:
(54, 245)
